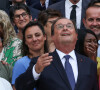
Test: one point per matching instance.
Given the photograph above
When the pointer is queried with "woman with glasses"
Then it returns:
(11, 44)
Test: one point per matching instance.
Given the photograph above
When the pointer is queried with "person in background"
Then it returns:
(63, 69)
(34, 12)
(41, 4)
(91, 21)
(4, 5)
(47, 17)
(5, 70)
(87, 45)
(11, 44)
(20, 16)
(34, 44)
(66, 6)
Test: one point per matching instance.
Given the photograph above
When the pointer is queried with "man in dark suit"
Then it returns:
(41, 4)
(65, 8)
(4, 4)
(49, 72)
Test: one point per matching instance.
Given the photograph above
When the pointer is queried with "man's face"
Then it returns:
(74, 1)
(47, 27)
(92, 20)
(21, 18)
(64, 32)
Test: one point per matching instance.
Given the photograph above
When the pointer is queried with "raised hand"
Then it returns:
(42, 62)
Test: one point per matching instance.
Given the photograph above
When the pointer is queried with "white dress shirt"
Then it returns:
(72, 61)
(68, 9)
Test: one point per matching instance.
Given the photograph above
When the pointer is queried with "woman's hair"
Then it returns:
(25, 49)
(8, 29)
(81, 39)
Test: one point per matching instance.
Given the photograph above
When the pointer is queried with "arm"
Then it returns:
(26, 81)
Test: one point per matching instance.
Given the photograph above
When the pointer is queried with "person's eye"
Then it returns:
(98, 20)
(90, 20)
(89, 41)
(16, 16)
(60, 26)
(37, 34)
(29, 37)
(68, 26)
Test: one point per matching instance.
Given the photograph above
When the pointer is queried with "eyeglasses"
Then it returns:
(61, 26)
(51, 21)
(24, 15)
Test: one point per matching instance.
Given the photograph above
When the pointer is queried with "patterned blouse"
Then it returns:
(12, 51)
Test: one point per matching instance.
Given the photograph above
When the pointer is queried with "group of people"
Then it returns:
(43, 48)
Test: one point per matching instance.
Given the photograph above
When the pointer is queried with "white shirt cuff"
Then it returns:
(35, 75)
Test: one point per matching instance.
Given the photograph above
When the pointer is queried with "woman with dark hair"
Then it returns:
(87, 45)
(33, 45)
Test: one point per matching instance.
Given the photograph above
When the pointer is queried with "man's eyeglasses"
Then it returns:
(61, 26)
(24, 15)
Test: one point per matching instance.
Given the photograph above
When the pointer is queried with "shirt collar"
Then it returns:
(61, 54)
(69, 4)
(99, 42)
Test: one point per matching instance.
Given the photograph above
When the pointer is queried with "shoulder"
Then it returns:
(85, 59)
(57, 4)
(22, 60)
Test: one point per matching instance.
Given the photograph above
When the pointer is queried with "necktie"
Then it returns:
(73, 13)
(69, 72)
(43, 6)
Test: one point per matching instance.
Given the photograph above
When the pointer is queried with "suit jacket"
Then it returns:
(60, 6)
(4, 4)
(36, 3)
(54, 76)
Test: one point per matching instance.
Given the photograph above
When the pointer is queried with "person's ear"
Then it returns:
(30, 18)
(84, 22)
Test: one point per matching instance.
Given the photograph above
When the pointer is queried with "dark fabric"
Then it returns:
(73, 13)
(60, 6)
(54, 76)
(37, 5)
(4, 4)
(69, 72)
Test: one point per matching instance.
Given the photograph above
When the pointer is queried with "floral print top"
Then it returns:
(12, 51)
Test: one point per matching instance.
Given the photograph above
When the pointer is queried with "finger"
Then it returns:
(47, 61)
(44, 55)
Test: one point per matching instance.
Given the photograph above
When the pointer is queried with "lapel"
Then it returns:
(82, 69)
(58, 65)
(50, 2)
(61, 7)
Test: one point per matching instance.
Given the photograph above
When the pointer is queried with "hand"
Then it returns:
(91, 51)
(5, 63)
(42, 62)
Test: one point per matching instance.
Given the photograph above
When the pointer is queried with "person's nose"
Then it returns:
(94, 23)
(34, 38)
(65, 27)
(21, 17)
